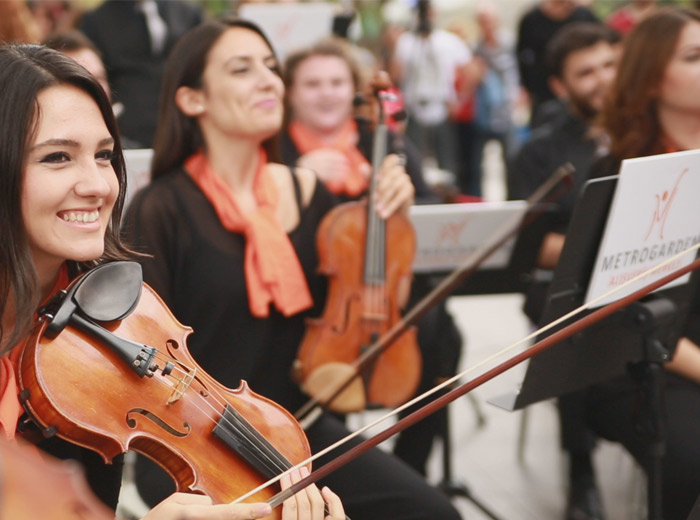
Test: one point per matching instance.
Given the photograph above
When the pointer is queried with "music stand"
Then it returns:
(516, 275)
(512, 277)
(641, 337)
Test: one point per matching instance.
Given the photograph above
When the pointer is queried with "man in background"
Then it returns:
(134, 38)
(583, 58)
(535, 30)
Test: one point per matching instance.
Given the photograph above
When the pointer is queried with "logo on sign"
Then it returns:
(664, 201)
(451, 231)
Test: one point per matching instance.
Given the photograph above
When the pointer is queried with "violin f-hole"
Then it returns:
(131, 422)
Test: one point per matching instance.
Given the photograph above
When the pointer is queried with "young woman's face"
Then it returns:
(679, 90)
(69, 185)
(322, 94)
(242, 93)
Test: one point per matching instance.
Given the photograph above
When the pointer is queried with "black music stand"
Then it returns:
(637, 340)
(513, 278)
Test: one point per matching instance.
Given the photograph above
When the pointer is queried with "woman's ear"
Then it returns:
(190, 101)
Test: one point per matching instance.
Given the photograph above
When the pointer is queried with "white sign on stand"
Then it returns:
(138, 171)
(447, 234)
(654, 215)
(291, 26)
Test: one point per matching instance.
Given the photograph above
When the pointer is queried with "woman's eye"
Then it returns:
(240, 71)
(56, 157)
(105, 155)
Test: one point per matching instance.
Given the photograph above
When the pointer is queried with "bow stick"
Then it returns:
(447, 398)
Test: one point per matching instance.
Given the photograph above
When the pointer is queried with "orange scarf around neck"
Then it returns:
(273, 272)
(355, 182)
(10, 407)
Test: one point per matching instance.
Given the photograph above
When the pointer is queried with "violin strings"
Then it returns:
(245, 429)
(469, 370)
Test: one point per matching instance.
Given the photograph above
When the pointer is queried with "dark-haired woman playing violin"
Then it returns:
(62, 183)
(233, 242)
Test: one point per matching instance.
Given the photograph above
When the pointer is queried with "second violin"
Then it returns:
(368, 261)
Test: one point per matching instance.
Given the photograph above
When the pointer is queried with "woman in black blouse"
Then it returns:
(62, 184)
(233, 243)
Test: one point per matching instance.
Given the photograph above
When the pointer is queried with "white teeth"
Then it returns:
(81, 216)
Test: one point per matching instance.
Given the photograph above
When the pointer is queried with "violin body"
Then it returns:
(183, 419)
(358, 312)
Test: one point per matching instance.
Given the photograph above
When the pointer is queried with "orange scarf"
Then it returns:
(10, 407)
(356, 182)
(272, 269)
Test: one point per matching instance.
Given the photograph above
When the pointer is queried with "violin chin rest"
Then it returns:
(325, 380)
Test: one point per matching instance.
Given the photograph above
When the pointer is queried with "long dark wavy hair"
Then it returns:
(25, 71)
(631, 114)
(178, 136)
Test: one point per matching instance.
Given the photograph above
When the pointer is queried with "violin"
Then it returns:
(108, 368)
(368, 261)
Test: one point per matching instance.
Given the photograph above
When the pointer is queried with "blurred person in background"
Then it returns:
(626, 17)
(423, 65)
(135, 38)
(535, 29)
(654, 108)
(76, 45)
(17, 25)
(496, 95)
(582, 57)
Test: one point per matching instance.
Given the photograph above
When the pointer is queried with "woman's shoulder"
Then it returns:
(162, 196)
(161, 190)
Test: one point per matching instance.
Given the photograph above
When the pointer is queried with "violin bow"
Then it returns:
(312, 409)
(433, 406)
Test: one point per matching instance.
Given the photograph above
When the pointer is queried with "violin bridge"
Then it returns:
(183, 383)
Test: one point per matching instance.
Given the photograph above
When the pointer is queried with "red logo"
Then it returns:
(663, 206)
(451, 231)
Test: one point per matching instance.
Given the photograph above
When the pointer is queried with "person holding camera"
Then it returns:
(424, 65)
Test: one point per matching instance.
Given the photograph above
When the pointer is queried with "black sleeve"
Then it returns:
(528, 169)
(286, 149)
(692, 327)
(524, 53)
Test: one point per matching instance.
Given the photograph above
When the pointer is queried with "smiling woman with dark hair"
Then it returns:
(62, 184)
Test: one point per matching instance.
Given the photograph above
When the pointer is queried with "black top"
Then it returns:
(534, 33)
(424, 195)
(198, 269)
(119, 30)
(566, 139)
